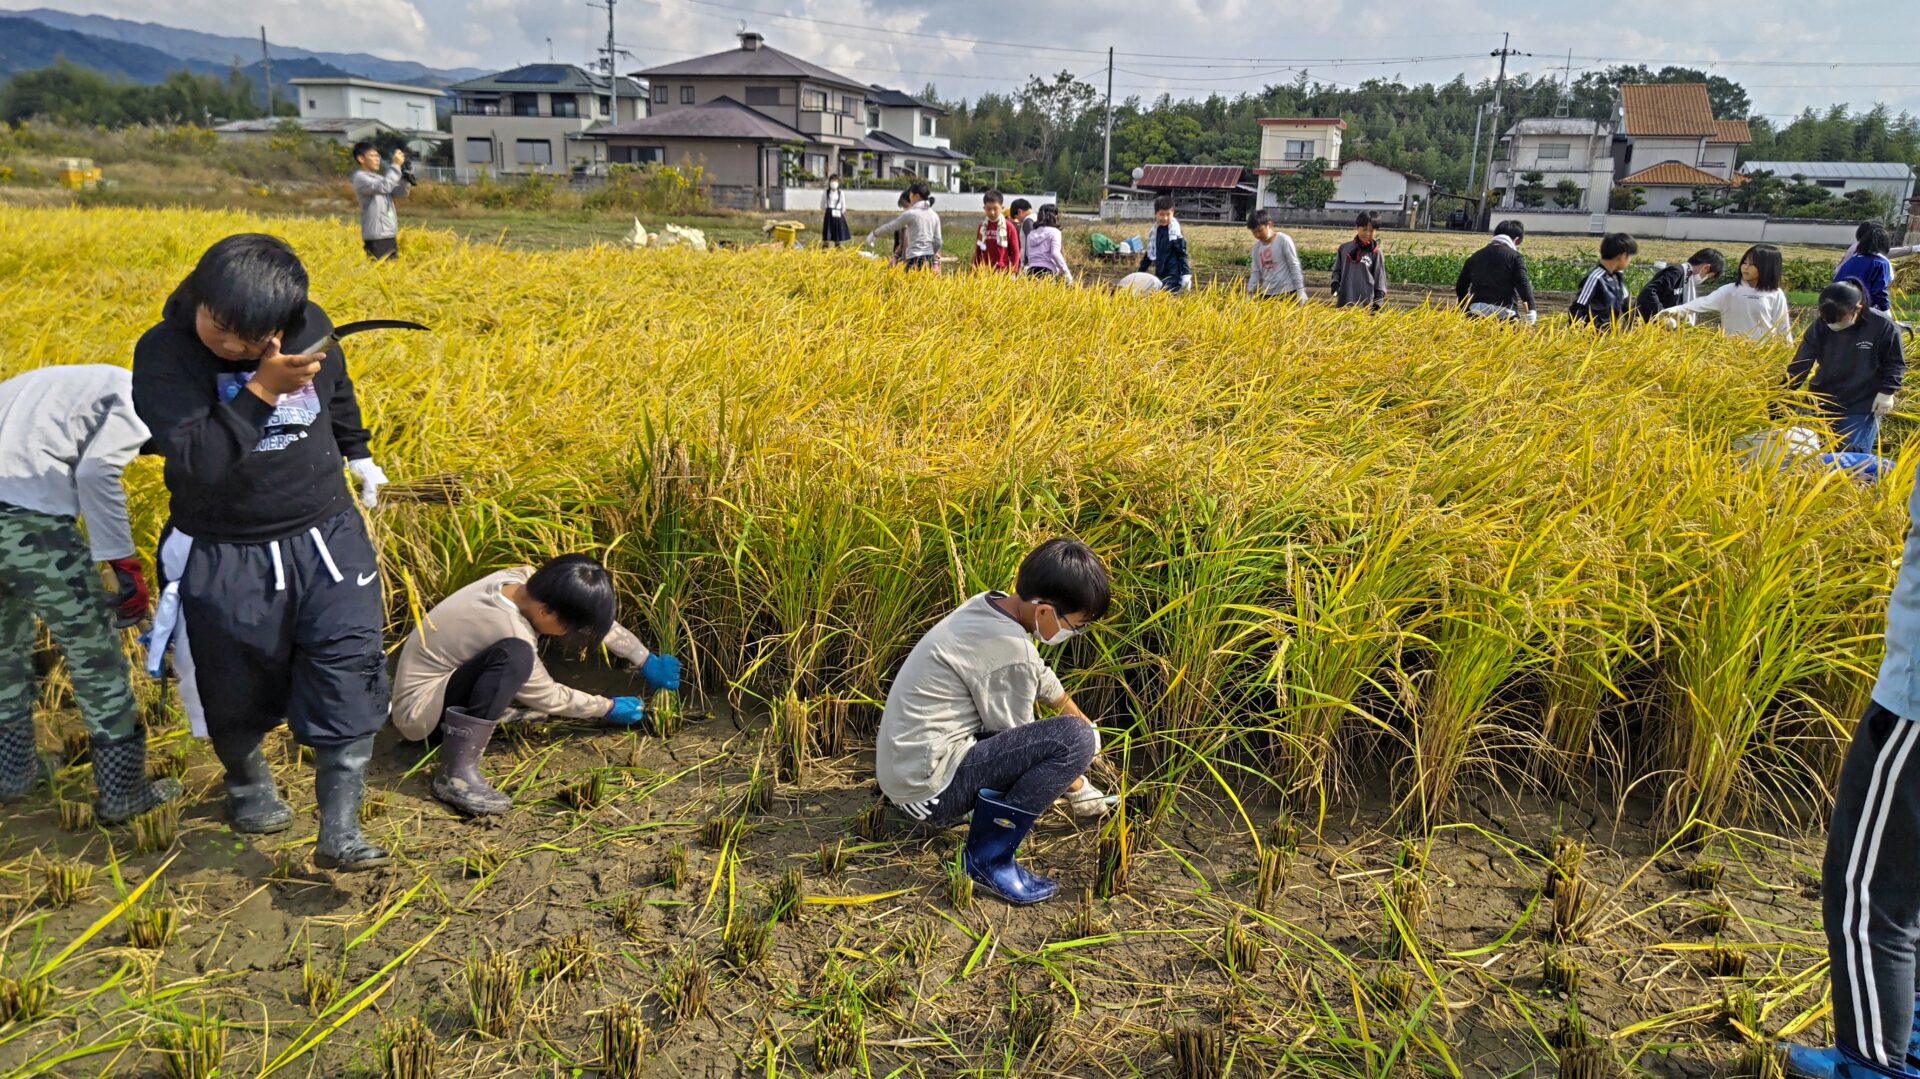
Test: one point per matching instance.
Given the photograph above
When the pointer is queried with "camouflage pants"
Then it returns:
(47, 573)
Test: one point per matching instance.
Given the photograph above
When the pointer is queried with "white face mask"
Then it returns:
(1062, 632)
(1843, 325)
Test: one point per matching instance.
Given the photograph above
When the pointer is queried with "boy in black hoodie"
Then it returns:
(1672, 286)
(1603, 300)
(276, 583)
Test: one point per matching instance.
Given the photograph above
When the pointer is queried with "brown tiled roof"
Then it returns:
(1732, 131)
(1680, 108)
(1676, 174)
(1205, 176)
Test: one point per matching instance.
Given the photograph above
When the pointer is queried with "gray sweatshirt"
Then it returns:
(1275, 270)
(923, 230)
(376, 192)
(975, 672)
(66, 434)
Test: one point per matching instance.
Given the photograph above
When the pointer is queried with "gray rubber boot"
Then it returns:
(458, 781)
(20, 769)
(339, 785)
(120, 779)
(254, 804)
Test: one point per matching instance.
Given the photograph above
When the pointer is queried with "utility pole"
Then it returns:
(1473, 155)
(1493, 131)
(1106, 157)
(613, 70)
(266, 71)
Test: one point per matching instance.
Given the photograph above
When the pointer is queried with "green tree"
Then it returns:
(1627, 199)
(1763, 193)
(1532, 191)
(1567, 194)
(1307, 187)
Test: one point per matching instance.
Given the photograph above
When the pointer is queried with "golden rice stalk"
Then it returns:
(623, 1041)
(408, 1049)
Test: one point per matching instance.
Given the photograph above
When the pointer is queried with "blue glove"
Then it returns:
(661, 672)
(626, 711)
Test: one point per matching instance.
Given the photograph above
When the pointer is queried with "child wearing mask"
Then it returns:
(1753, 307)
(1851, 359)
(1672, 286)
(833, 213)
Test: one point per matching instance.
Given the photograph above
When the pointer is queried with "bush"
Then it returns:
(652, 189)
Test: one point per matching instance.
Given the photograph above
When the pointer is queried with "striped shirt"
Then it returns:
(1602, 299)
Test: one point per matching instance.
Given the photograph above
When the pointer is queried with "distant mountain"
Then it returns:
(217, 51)
(26, 44)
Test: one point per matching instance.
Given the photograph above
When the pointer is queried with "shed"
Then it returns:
(1200, 192)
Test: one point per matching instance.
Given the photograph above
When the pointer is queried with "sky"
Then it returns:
(1789, 54)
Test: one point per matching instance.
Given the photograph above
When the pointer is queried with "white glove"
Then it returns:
(1672, 323)
(1882, 404)
(1532, 316)
(1186, 283)
(371, 480)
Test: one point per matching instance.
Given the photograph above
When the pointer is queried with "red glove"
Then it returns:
(131, 601)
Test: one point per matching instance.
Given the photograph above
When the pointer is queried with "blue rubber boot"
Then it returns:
(994, 834)
(1839, 1062)
(1913, 1040)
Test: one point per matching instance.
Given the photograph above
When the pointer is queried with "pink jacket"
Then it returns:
(1044, 253)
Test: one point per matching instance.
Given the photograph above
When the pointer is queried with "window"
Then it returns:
(533, 152)
(312, 104)
(638, 155)
(816, 164)
(659, 95)
(763, 95)
(526, 104)
(479, 151)
(873, 118)
(849, 107)
(417, 117)
(604, 103)
(1300, 150)
(686, 95)
(926, 126)
(479, 106)
(566, 105)
(1834, 184)
(1556, 151)
(813, 100)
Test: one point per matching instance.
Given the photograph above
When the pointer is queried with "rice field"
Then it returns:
(1473, 704)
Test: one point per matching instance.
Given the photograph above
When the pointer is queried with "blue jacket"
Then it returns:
(1898, 690)
(1876, 271)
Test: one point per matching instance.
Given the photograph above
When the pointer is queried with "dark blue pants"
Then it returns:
(1859, 432)
(1031, 765)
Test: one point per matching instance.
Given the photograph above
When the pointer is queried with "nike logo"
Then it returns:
(365, 579)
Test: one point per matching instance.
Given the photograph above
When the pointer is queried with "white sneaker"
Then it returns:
(1089, 802)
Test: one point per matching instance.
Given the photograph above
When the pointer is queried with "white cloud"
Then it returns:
(393, 29)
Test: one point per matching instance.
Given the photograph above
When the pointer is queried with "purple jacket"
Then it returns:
(1043, 252)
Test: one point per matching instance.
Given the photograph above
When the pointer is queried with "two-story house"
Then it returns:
(1286, 143)
(1668, 142)
(348, 108)
(798, 118)
(1559, 149)
(534, 119)
(903, 139)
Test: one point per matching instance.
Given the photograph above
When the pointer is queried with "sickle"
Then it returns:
(333, 338)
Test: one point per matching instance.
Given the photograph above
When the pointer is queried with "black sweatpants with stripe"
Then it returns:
(1871, 888)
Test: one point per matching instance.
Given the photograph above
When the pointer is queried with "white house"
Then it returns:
(341, 129)
(903, 135)
(1286, 143)
(1364, 184)
(1558, 149)
(408, 108)
(1889, 178)
(1659, 125)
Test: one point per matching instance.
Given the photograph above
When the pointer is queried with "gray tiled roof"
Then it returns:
(721, 118)
(764, 62)
(547, 78)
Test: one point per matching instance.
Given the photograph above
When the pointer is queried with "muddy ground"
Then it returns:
(1663, 955)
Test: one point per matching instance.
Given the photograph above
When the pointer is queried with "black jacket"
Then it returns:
(1602, 299)
(1852, 366)
(1666, 289)
(240, 470)
(1173, 264)
(1495, 274)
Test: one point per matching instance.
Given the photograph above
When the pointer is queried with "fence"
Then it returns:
(1142, 210)
(1706, 228)
(795, 200)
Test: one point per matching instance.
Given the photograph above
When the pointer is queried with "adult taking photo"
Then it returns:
(376, 189)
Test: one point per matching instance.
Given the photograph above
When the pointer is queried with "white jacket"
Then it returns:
(1744, 311)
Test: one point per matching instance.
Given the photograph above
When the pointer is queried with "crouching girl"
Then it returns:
(474, 654)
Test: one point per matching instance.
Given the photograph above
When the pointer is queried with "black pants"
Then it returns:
(1030, 766)
(382, 250)
(485, 685)
(1870, 888)
(289, 629)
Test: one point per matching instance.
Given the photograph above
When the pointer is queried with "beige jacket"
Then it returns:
(469, 622)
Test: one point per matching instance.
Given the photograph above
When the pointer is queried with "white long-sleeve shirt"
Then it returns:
(923, 231)
(66, 434)
(1744, 311)
(1275, 269)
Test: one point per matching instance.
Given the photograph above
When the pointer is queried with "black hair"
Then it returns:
(1366, 219)
(1257, 219)
(919, 190)
(1511, 229)
(1768, 266)
(252, 284)
(1067, 574)
(993, 195)
(579, 592)
(1018, 205)
(1711, 258)
(1164, 202)
(362, 147)
(905, 199)
(1875, 239)
(1860, 231)
(1047, 217)
(1615, 244)
(1841, 299)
